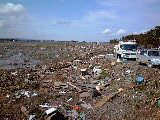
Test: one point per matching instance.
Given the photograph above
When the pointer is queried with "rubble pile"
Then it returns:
(76, 81)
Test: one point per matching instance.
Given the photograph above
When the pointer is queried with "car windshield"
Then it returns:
(129, 47)
(153, 53)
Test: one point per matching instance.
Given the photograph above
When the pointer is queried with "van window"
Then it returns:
(142, 52)
(129, 47)
(153, 53)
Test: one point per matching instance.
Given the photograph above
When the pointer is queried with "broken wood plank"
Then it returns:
(24, 110)
(100, 117)
(107, 98)
(69, 83)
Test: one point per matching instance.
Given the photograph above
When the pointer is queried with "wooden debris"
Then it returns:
(107, 98)
(69, 83)
(24, 110)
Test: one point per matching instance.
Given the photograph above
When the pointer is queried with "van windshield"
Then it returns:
(129, 47)
(153, 53)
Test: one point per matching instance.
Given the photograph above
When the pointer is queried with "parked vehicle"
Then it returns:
(126, 50)
(150, 57)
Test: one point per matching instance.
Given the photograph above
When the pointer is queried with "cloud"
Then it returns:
(98, 15)
(12, 13)
(12, 19)
(12, 9)
(121, 31)
(60, 22)
(142, 31)
(3, 24)
(106, 31)
(94, 19)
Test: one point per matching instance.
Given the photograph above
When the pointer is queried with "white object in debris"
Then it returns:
(34, 94)
(118, 79)
(120, 89)
(101, 56)
(97, 71)
(118, 60)
(7, 96)
(45, 105)
(31, 117)
(84, 70)
(26, 93)
(14, 73)
(51, 110)
(69, 99)
(76, 62)
(113, 63)
(62, 92)
(87, 106)
(97, 67)
(99, 87)
(128, 71)
(83, 78)
(109, 54)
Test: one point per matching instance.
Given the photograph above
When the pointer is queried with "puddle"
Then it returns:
(18, 60)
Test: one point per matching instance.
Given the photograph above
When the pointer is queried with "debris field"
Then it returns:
(74, 81)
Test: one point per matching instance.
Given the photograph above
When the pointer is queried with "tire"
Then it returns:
(119, 56)
(137, 60)
(150, 65)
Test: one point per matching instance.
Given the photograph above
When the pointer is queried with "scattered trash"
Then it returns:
(158, 103)
(113, 63)
(51, 110)
(74, 81)
(76, 108)
(59, 85)
(106, 98)
(28, 94)
(70, 99)
(128, 71)
(101, 56)
(25, 111)
(84, 72)
(99, 87)
(77, 62)
(139, 79)
(87, 106)
(73, 86)
(45, 105)
(84, 94)
(118, 60)
(95, 93)
(97, 71)
(125, 61)
(32, 117)
(62, 92)
(73, 114)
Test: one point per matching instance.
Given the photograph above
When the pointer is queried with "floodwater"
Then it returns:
(18, 60)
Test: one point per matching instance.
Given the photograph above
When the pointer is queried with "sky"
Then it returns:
(81, 20)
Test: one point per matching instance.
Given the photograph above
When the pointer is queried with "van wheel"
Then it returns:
(119, 56)
(139, 63)
(150, 65)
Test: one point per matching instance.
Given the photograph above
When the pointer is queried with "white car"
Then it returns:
(150, 57)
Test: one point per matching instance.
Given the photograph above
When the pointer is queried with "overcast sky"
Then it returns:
(89, 20)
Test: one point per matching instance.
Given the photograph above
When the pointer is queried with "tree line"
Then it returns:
(148, 39)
